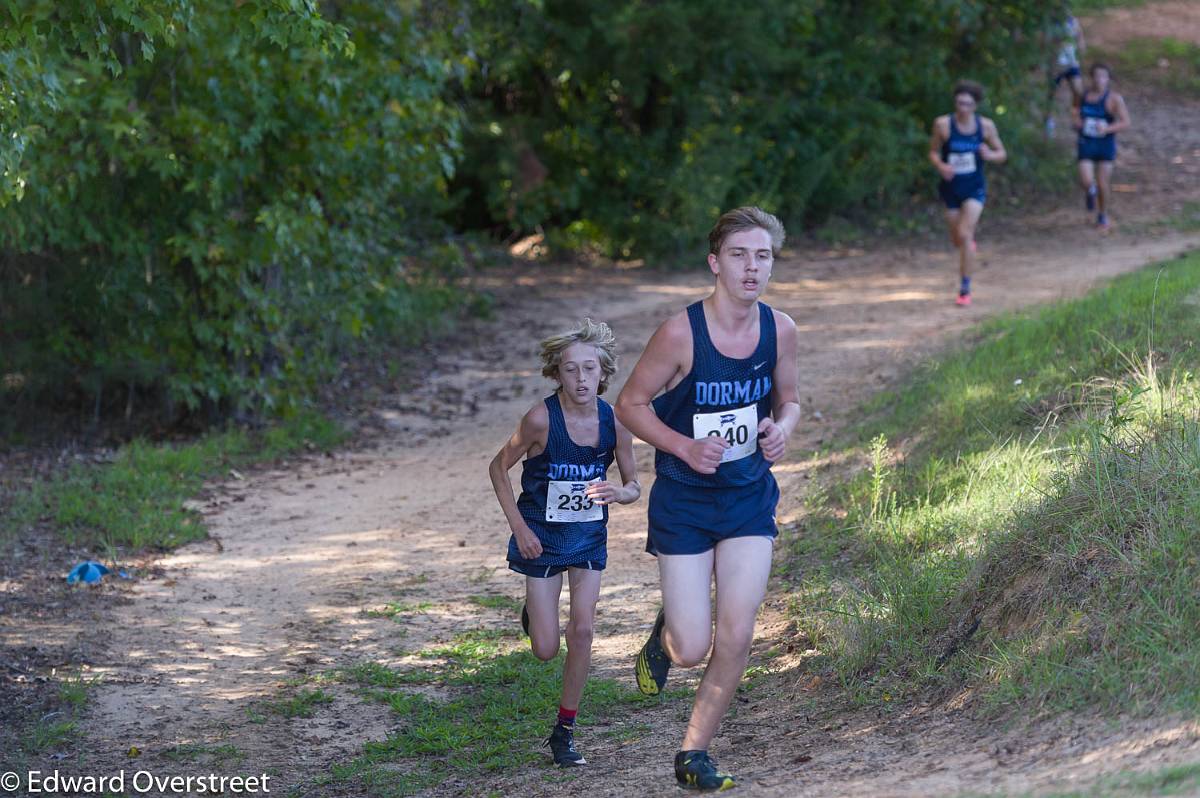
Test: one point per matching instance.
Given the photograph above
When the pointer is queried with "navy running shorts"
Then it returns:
(547, 571)
(688, 519)
(954, 198)
(1090, 149)
(1067, 74)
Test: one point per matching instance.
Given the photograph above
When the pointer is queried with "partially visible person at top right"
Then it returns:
(1067, 38)
(1101, 115)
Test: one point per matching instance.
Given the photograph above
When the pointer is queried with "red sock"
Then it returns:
(566, 717)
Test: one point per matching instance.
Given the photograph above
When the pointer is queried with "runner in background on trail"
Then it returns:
(560, 522)
(959, 146)
(1100, 116)
(1066, 35)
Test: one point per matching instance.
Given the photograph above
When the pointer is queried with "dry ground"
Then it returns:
(298, 553)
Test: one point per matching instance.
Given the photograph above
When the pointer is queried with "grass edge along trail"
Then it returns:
(1026, 526)
(136, 501)
(1163, 781)
(480, 706)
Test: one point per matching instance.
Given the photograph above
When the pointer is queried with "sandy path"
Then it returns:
(307, 549)
(300, 553)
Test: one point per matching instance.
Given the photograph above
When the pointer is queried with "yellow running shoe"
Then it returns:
(652, 661)
(695, 770)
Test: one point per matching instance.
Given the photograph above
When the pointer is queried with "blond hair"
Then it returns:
(739, 220)
(593, 333)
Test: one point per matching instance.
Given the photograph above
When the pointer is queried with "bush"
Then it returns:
(218, 223)
(636, 124)
(210, 211)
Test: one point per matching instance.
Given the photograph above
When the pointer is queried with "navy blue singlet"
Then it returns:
(565, 461)
(962, 151)
(716, 385)
(1095, 110)
(1091, 147)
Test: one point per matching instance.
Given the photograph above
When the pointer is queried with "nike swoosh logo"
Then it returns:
(760, 365)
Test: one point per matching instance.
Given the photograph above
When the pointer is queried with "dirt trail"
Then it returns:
(303, 551)
(299, 553)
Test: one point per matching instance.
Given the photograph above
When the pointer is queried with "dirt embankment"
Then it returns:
(304, 550)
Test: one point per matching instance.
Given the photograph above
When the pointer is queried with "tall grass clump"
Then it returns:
(1024, 523)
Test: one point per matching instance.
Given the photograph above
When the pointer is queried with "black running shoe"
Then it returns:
(694, 770)
(525, 619)
(652, 661)
(562, 747)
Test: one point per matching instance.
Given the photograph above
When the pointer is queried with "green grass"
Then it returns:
(395, 609)
(629, 732)
(73, 691)
(1188, 218)
(1084, 6)
(209, 754)
(482, 705)
(302, 704)
(1175, 780)
(136, 501)
(1169, 62)
(46, 734)
(1045, 482)
(57, 728)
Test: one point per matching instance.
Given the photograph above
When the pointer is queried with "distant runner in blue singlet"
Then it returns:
(1066, 36)
(959, 146)
(560, 522)
(1100, 116)
(724, 374)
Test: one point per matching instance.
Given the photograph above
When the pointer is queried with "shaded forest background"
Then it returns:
(206, 213)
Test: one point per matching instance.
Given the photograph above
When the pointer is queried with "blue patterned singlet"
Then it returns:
(724, 396)
(556, 478)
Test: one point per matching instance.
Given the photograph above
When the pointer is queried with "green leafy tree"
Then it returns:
(630, 125)
(214, 206)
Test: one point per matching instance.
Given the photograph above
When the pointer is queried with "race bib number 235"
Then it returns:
(566, 502)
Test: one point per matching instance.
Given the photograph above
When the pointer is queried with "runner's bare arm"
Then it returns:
(785, 398)
(630, 489)
(1117, 108)
(941, 132)
(993, 150)
(659, 364)
(529, 439)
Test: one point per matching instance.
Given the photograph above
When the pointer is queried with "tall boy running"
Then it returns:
(724, 374)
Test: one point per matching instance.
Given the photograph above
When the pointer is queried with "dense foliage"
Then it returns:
(210, 209)
(631, 125)
(216, 212)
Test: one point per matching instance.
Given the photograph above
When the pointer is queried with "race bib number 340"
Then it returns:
(566, 503)
(739, 427)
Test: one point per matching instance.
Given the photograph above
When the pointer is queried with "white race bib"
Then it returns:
(739, 427)
(963, 163)
(566, 502)
(1092, 127)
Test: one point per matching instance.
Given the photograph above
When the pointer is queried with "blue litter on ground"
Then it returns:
(88, 571)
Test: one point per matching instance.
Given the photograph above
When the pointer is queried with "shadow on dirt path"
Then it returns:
(300, 554)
